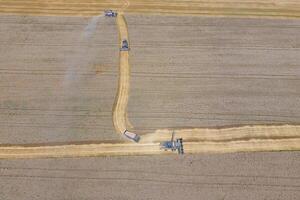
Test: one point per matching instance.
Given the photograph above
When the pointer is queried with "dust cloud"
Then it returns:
(73, 62)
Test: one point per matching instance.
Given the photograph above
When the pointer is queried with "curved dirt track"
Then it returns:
(268, 8)
(120, 107)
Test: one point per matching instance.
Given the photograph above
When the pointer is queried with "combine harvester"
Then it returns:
(110, 13)
(125, 46)
(173, 145)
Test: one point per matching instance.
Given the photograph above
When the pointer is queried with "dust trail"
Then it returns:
(73, 62)
(78, 61)
(91, 27)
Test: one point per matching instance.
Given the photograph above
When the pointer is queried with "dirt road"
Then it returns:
(266, 8)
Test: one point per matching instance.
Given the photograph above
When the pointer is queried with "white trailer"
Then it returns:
(132, 136)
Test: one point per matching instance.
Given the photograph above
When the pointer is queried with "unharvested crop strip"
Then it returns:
(259, 8)
(121, 101)
(86, 150)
